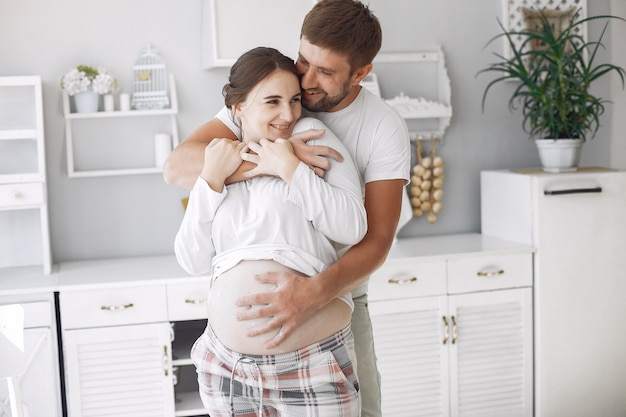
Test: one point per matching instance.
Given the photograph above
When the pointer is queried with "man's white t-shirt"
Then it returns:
(376, 137)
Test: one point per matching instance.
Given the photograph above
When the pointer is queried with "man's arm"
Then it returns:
(185, 163)
(298, 298)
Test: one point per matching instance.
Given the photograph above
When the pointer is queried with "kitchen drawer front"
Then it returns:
(36, 313)
(483, 273)
(187, 301)
(23, 194)
(113, 306)
(407, 278)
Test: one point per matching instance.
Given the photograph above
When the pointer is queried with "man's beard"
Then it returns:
(327, 102)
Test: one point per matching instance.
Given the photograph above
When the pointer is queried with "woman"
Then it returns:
(292, 221)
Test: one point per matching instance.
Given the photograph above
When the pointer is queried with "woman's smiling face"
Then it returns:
(272, 108)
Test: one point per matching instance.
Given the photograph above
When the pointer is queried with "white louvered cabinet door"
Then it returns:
(119, 371)
(412, 356)
(491, 354)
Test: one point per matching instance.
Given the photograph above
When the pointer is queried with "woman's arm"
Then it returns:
(193, 244)
(334, 204)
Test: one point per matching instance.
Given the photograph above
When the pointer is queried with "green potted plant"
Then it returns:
(555, 67)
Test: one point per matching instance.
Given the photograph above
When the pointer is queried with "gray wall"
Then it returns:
(139, 215)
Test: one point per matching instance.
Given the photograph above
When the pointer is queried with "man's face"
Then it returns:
(326, 78)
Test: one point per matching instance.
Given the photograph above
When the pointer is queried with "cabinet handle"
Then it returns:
(17, 195)
(489, 274)
(166, 362)
(446, 330)
(573, 191)
(402, 281)
(195, 301)
(454, 333)
(116, 308)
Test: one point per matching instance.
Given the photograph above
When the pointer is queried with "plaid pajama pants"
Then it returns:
(317, 380)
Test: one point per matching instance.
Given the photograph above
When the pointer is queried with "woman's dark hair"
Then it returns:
(250, 69)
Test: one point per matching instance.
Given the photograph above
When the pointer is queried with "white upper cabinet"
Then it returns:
(232, 27)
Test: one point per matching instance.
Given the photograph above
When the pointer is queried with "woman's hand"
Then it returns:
(271, 158)
(315, 156)
(221, 158)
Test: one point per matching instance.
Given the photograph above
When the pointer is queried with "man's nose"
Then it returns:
(309, 79)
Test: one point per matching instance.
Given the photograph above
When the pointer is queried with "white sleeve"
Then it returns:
(334, 204)
(193, 244)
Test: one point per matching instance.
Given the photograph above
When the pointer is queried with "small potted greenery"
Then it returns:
(86, 84)
(555, 69)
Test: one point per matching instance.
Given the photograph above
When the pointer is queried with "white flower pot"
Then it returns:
(86, 102)
(559, 155)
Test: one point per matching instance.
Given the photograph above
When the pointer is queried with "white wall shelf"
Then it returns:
(71, 117)
(24, 230)
(419, 112)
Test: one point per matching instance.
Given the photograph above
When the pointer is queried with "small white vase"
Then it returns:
(86, 102)
(559, 155)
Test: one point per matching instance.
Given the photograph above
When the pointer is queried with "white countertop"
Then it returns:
(121, 272)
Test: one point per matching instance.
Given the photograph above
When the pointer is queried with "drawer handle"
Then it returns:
(490, 273)
(403, 281)
(17, 195)
(117, 308)
(446, 330)
(195, 301)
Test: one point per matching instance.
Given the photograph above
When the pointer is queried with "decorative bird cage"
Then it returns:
(149, 81)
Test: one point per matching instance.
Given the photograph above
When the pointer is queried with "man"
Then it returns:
(339, 40)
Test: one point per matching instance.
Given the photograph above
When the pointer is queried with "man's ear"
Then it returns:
(361, 73)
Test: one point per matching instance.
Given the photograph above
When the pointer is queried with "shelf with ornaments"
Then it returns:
(153, 122)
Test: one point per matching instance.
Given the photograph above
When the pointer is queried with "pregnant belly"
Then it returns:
(240, 281)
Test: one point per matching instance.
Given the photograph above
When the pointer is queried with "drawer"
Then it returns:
(113, 307)
(36, 314)
(23, 194)
(187, 301)
(483, 273)
(407, 278)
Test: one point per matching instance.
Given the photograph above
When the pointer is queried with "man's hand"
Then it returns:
(315, 156)
(292, 303)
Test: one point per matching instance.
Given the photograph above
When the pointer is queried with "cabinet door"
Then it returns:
(491, 354)
(412, 354)
(119, 371)
(38, 383)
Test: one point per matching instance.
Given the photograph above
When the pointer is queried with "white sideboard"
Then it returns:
(127, 327)
(452, 318)
(577, 223)
(39, 382)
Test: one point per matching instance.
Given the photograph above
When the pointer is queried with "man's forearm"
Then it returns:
(383, 201)
(184, 164)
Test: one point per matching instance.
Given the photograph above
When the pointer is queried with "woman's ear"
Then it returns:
(237, 110)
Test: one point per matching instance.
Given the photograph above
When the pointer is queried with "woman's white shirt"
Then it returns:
(305, 226)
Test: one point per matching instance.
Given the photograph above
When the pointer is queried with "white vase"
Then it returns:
(559, 155)
(86, 102)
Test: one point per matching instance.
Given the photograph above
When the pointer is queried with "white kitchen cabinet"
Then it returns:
(232, 27)
(127, 329)
(95, 147)
(39, 383)
(452, 318)
(577, 224)
(24, 231)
